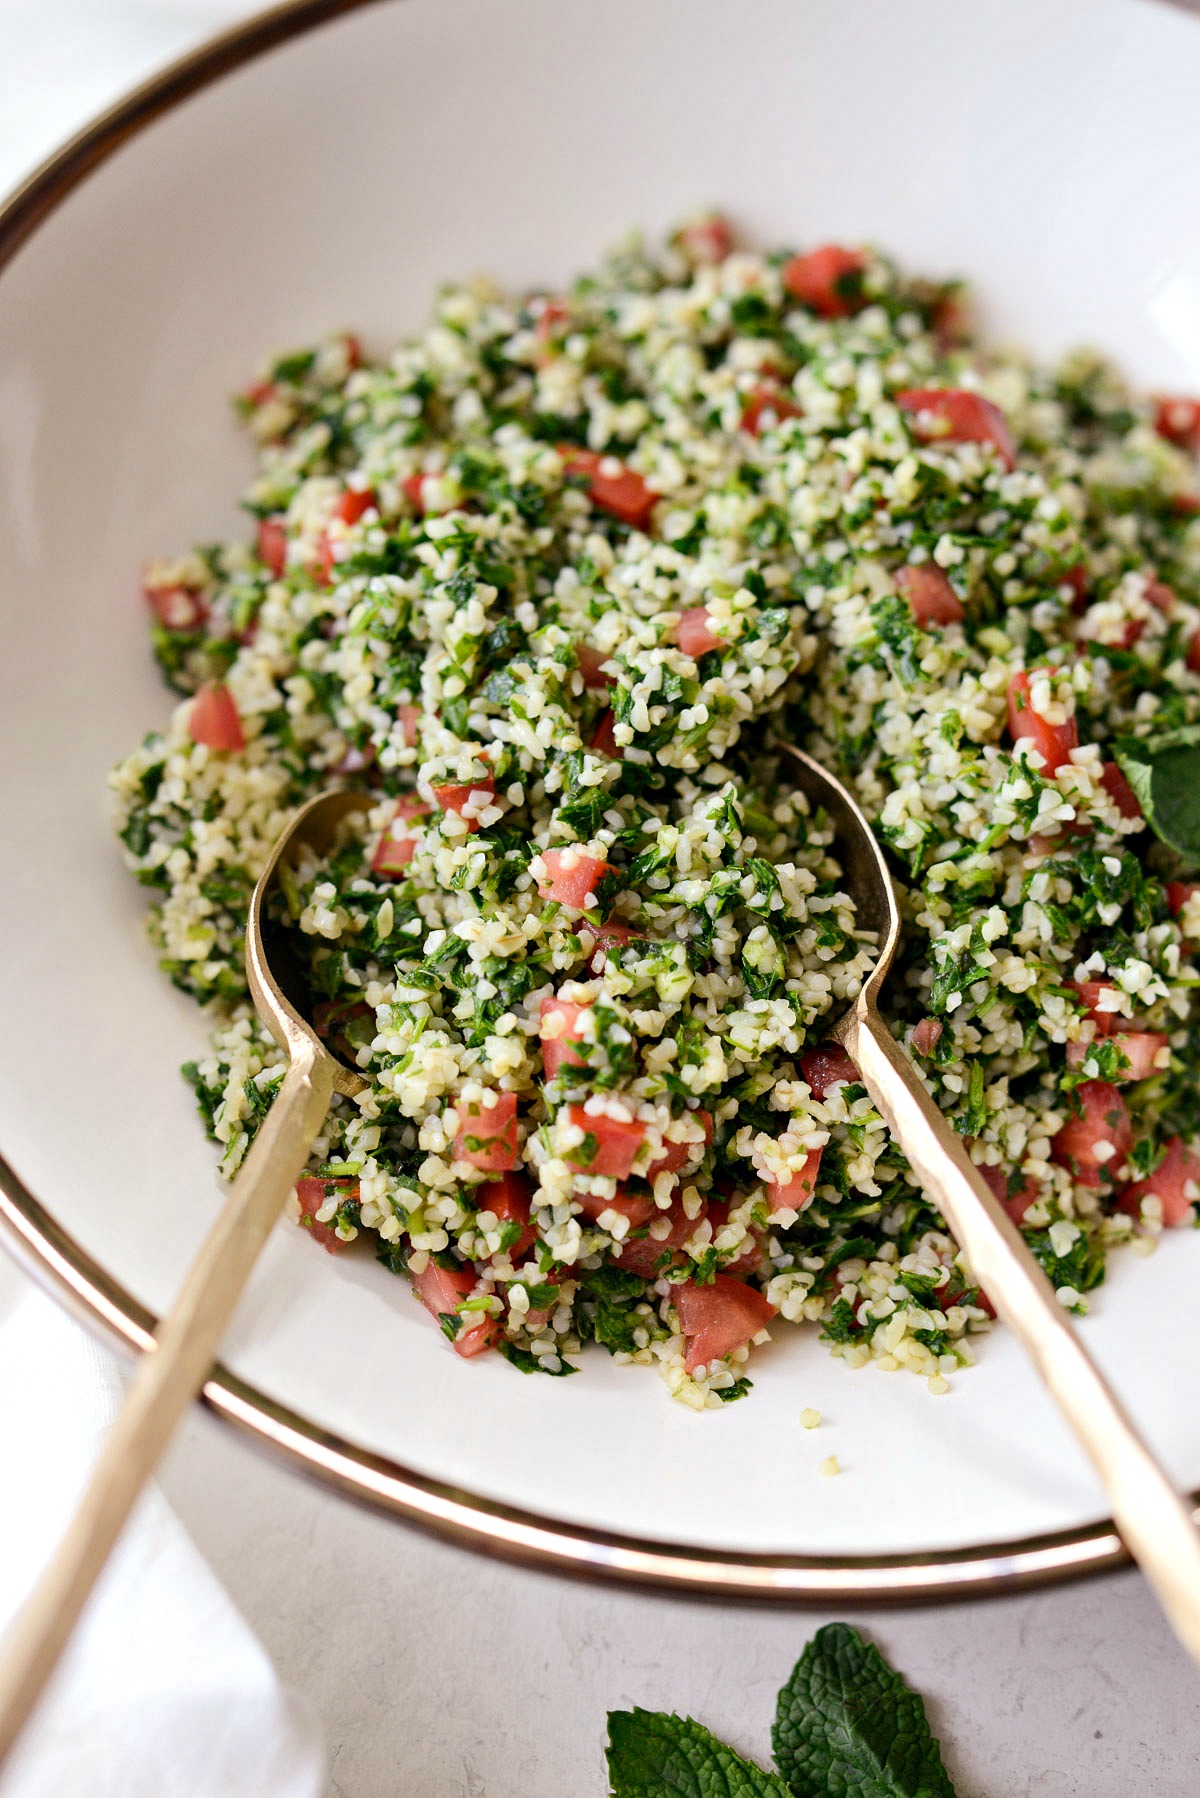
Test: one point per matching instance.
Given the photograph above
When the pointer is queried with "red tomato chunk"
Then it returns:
(825, 1067)
(1016, 1204)
(828, 280)
(954, 415)
(1178, 420)
(603, 740)
(1053, 742)
(213, 719)
(613, 1146)
(177, 607)
(1119, 791)
(467, 800)
(605, 937)
(1175, 1184)
(441, 1290)
(1089, 994)
(612, 486)
(272, 545)
(638, 1207)
(678, 1155)
(571, 877)
(1097, 1142)
(767, 406)
(718, 1318)
(487, 1134)
(591, 666)
(694, 634)
(928, 591)
(354, 503)
(645, 1255)
(796, 1192)
(927, 1035)
(508, 1199)
(1178, 894)
(1141, 1048)
(707, 239)
(560, 1029)
(312, 1193)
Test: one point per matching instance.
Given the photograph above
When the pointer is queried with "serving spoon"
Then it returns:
(186, 1341)
(1154, 1521)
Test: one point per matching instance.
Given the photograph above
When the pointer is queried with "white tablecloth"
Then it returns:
(437, 1673)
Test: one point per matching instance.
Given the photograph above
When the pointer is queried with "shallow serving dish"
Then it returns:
(324, 167)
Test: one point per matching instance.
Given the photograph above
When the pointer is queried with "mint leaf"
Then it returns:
(846, 1726)
(653, 1755)
(1164, 772)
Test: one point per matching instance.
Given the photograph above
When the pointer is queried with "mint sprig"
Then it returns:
(1164, 772)
(846, 1726)
(654, 1755)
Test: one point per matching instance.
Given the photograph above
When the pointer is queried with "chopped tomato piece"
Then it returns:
(678, 1155)
(1175, 1183)
(312, 1192)
(258, 393)
(176, 606)
(1075, 579)
(1053, 742)
(392, 853)
(927, 589)
(645, 1256)
(796, 1192)
(1193, 654)
(442, 1290)
(1178, 420)
(826, 1066)
(272, 545)
(719, 1317)
(1016, 1204)
(508, 1199)
(1141, 1048)
(1097, 1141)
(468, 799)
(955, 415)
(610, 1144)
(603, 740)
(560, 1029)
(605, 937)
(1089, 994)
(410, 724)
(1161, 596)
(213, 719)
(571, 877)
(591, 665)
(705, 239)
(1178, 894)
(1119, 791)
(612, 486)
(769, 403)
(412, 487)
(638, 1207)
(926, 1035)
(829, 280)
(487, 1134)
(694, 635)
(353, 349)
(354, 503)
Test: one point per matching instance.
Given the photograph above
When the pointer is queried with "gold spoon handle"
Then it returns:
(164, 1384)
(1153, 1520)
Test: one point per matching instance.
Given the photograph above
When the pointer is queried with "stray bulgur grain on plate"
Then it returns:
(554, 582)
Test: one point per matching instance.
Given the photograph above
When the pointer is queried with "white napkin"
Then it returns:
(163, 1692)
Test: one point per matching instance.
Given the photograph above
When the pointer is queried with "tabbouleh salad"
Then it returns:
(554, 582)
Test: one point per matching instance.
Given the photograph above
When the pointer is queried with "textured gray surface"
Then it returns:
(439, 1673)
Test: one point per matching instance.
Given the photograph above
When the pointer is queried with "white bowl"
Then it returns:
(250, 201)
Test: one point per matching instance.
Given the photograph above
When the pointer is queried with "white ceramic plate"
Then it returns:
(1040, 148)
